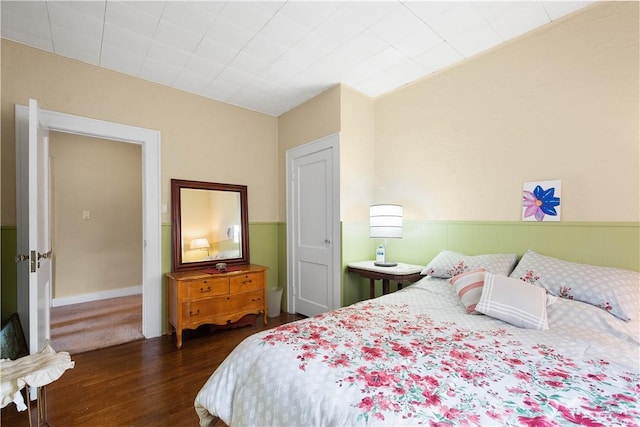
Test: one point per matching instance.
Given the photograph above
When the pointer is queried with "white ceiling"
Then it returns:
(271, 56)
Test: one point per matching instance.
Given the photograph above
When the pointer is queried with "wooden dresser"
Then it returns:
(218, 298)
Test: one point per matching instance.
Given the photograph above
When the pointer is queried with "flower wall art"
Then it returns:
(541, 201)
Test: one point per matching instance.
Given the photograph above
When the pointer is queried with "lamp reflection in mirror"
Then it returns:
(385, 222)
(201, 243)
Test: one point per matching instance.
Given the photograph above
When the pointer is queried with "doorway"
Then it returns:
(313, 227)
(149, 140)
(96, 236)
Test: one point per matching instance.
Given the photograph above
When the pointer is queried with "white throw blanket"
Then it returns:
(35, 370)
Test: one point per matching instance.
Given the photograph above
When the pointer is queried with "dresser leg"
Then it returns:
(178, 338)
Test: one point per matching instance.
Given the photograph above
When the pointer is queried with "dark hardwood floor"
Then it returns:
(142, 383)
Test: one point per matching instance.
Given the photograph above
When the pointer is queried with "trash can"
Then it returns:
(274, 295)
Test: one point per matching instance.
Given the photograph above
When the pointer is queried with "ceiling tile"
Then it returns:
(441, 56)
(248, 63)
(153, 8)
(459, 17)
(338, 29)
(216, 52)
(263, 48)
(220, 89)
(511, 19)
(557, 9)
(368, 13)
(475, 39)
(309, 14)
(189, 16)
(93, 8)
(192, 81)
(177, 37)
(417, 42)
(167, 54)
(229, 34)
(388, 58)
(407, 72)
(397, 25)
(125, 39)
(250, 16)
(75, 45)
(159, 72)
(26, 22)
(131, 18)
(119, 59)
(75, 22)
(197, 64)
(283, 30)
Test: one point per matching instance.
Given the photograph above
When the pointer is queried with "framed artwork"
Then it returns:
(541, 201)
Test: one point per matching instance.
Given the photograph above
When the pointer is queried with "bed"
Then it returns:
(448, 350)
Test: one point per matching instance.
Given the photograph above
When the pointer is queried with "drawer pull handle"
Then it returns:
(191, 313)
(203, 290)
(246, 281)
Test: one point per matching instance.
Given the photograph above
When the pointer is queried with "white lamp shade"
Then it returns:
(201, 243)
(385, 221)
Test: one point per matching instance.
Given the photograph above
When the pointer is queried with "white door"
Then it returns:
(313, 227)
(34, 244)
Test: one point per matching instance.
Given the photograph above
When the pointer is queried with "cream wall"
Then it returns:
(318, 117)
(105, 178)
(357, 154)
(202, 139)
(561, 103)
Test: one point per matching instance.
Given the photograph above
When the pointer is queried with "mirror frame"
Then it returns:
(176, 222)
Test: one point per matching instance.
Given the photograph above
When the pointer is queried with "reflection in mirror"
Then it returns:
(210, 223)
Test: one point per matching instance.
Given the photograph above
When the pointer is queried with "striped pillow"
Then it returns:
(468, 288)
(514, 301)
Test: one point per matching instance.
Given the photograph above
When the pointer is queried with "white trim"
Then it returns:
(96, 296)
(328, 142)
(151, 204)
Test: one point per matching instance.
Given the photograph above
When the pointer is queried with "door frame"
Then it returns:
(328, 142)
(151, 199)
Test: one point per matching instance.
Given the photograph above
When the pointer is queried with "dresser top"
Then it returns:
(204, 273)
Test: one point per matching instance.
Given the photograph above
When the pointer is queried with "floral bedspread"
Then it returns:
(414, 357)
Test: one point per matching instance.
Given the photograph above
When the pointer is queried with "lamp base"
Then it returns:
(385, 264)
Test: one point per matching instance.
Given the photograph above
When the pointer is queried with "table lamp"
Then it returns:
(201, 243)
(385, 222)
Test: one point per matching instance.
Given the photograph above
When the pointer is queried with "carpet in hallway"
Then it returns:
(78, 328)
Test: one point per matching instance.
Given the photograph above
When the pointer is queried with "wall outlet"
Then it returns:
(86, 214)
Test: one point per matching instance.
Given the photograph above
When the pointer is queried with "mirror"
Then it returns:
(209, 224)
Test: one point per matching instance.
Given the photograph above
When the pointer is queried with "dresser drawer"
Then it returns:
(199, 311)
(252, 300)
(246, 282)
(203, 288)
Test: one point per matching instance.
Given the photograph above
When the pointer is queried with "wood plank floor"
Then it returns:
(142, 383)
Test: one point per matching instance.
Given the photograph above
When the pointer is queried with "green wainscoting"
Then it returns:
(599, 243)
(611, 244)
(8, 271)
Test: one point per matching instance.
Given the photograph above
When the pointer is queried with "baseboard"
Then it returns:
(95, 296)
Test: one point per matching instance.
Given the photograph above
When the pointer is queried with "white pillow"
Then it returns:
(468, 287)
(514, 301)
(612, 289)
(448, 264)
